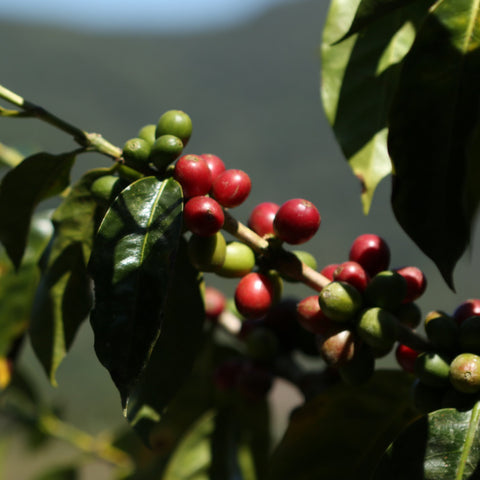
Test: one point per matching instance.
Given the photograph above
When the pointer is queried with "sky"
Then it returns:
(136, 15)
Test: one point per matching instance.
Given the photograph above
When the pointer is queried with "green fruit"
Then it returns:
(128, 173)
(175, 122)
(340, 301)
(378, 328)
(305, 257)
(409, 314)
(469, 335)
(432, 369)
(147, 133)
(207, 253)
(441, 330)
(465, 373)
(359, 369)
(136, 152)
(165, 150)
(239, 260)
(386, 289)
(106, 188)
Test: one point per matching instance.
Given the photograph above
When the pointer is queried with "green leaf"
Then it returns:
(445, 445)
(359, 77)
(178, 345)
(132, 263)
(60, 473)
(64, 298)
(38, 177)
(343, 432)
(433, 122)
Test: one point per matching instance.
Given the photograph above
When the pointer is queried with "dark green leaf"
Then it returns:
(444, 445)
(342, 433)
(132, 263)
(433, 124)
(63, 298)
(38, 177)
(359, 76)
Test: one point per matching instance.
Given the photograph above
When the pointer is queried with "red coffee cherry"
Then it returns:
(311, 317)
(329, 270)
(193, 174)
(469, 308)
(231, 188)
(203, 216)
(215, 303)
(215, 164)
(416, 282)
(352, 273)
(254, 295)
(406, 357)
(371, 252)
(261, 218)
(296, 221)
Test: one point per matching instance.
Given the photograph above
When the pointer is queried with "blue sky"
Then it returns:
(151, 15)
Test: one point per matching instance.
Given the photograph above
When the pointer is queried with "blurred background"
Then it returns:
(248, 73)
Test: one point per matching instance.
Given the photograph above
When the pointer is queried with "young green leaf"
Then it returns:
(38, 177)
(132, 262)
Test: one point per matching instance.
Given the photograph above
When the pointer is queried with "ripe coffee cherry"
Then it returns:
(371, 252)
(329, 270)
(136, 153)
(340, 301)
(175, 122)
(254, 381)
(469, 308)
(432, 369)
(441, 330)
(207, 254)
(231, 187)
(261, 218)
(311, 317)
(215, 164)
(165, 150)
(416, 282)
(296, 221)
(193, 174)
(215, 303)
(386, 289)
(225, 376)
(378, 328)
(147, 133)
(254, 295)
(465, 373)
(239, 260)
(203, 216)
(352, 273)
(406, 357)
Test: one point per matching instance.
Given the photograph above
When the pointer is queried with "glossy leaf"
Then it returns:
(433, 123)
(38, 177)
(343, 432)
(132, 263)
(64, 298)
(359, 76)
(445, 445)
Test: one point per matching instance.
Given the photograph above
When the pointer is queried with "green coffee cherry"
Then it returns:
(441, 330)
(165, 150)
(147, 133)
(409, 314)
(386, 289)
(128, 173)
(175, 122)
(136, 152)
(340, 301)
(465, 373)
(378, 328)
(432, 369)
(239, 260)
(469, 335)
(359, 369)
(106, 188)
(207, 253)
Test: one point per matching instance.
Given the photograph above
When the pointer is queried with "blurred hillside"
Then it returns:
(253, 95)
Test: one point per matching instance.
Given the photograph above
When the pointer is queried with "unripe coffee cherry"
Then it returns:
(340, 301)
(296, 221)
(371, 252)
(469, 308)
(352, 273)
(215, 303)
(409, 314)
(165, 150)
(337, 347)
(215, 164)
(231, 188)
(465, 373)
(406, 357)
(386, 289)
(147, 133)
(175, 122)
(193, 174)
(416, 282)
(207, 254)
(136, 153)
(239, 260)
(378, 328)
(261, 218)
(254, 295)
(432, 369)
(311, 317)
(106, 188)
(469, 335)
(441, 330)
(203, 216)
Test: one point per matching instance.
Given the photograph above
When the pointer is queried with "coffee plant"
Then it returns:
(128, 246)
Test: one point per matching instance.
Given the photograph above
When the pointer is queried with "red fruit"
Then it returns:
(416, 282)
(225, 376)
(254, 295)
(215, 302)
(469, 308)
(203, 216)
(215, 164)
(193, 174)
(352, 273)
(371, 252)
(261, 218)
(296, 221)
(406, 357)
(329, 270)
(231, 187)
(311, 317)
(254, 381)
